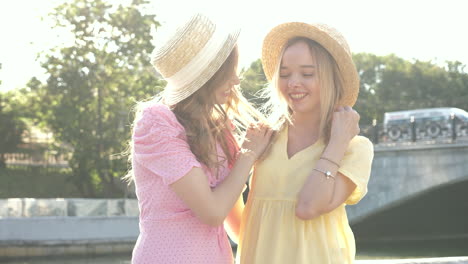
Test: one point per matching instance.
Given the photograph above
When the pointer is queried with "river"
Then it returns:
(370, 250)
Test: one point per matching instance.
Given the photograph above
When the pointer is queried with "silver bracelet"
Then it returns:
(331, 161)
(327, 173)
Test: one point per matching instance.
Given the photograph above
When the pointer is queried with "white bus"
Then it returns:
(430, 123)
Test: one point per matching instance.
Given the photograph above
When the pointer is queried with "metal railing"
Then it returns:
(414, 130)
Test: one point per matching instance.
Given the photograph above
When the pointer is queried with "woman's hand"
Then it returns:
(213, 205)
(256, 139)
(345, 125)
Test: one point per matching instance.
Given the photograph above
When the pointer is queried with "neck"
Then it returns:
(306, 124)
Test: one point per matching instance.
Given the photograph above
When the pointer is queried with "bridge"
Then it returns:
(417, 190)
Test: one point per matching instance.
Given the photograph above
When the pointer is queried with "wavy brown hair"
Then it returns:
(206, 122)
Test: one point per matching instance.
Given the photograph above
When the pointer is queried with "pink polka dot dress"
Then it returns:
(169, 231)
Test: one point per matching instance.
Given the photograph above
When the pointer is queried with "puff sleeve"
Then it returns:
(356, 165)
(160, 145)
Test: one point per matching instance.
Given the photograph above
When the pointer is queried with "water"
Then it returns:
(412, 249)
(370, 250)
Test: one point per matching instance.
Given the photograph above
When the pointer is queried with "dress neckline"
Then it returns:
(301, 152)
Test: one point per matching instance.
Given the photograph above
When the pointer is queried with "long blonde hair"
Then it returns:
(331, 89)
(206, 122)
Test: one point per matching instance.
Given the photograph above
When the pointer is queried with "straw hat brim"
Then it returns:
(173, 95)
(278, 37)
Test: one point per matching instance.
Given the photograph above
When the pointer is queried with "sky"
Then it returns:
(411, 29)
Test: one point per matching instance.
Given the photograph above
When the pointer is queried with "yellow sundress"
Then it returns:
(270, 231)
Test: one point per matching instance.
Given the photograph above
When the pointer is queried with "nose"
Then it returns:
(293, 82)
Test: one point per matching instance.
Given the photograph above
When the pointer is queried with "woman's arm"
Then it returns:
(233, 220)
(212, 205)
(321, 194)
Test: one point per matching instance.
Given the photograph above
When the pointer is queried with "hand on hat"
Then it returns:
(345, 124)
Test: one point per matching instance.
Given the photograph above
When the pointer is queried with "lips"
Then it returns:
(297, 96)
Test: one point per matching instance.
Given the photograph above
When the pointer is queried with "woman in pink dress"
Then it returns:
(187, 167)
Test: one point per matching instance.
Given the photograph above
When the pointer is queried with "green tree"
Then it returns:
(369, 68)
(12, 125)
(390, 83)
(457, 84)
(253, 81)
(92, 86)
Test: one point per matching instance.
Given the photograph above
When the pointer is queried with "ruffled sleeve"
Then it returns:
(160, 144)
(356, 165)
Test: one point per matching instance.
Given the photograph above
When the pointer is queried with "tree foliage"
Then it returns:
(12, 124)
(390, 83)
(92, 86)
(253, 81)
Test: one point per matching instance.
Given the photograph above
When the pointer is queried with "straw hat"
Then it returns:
(191, 56)
(327, 37)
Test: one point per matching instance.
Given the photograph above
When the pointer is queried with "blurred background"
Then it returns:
(72, 70)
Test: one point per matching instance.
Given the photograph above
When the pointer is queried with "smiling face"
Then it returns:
(298, 80)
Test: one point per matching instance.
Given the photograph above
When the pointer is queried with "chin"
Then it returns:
(303, 110)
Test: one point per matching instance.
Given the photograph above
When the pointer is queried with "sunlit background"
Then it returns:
(67, 159)
(424, 30)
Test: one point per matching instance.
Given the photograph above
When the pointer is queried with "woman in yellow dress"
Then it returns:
(317, 163)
